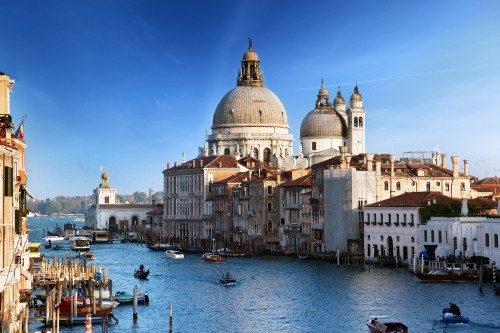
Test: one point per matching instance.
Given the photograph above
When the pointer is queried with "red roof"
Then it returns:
(414, 199)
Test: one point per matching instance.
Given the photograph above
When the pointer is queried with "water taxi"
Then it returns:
(174, 254)
(80, 243)
(385, 324)
(34, 249)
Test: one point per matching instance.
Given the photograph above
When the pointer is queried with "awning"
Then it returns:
(28, 192)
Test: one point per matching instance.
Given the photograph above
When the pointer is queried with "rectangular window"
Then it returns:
(405, 253)
(8, 185)
(381, 218)
(106, 200)
(269, 190)
(368, 250)
(313, 145)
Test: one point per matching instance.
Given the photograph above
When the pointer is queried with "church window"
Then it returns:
(447, 187)
(462, 187)
(495, 240)
(360, 121)
(313, 145)
(465, 244)
(425, 235)
(106, 200)
(226, 151)
(269, 189)
(440, 236)
(355, 121)
(269, 206)
(270, 226)
(386, 186)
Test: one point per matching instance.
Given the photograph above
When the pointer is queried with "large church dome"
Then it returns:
(250, 120)
(323, 121)
(250, 106)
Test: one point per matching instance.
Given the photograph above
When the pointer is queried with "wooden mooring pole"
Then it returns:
(135, 303)
(170, 325)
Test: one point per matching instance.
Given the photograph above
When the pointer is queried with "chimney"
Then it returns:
(378, 166)
(392, 159)
(168, 166)
(348, 161)
(193, 164)
(175, 164)
(437, 158)
(220, 164)
(369, 159)
(454, 160)
(466, 167)
(343, 150)
(433, 160)
(465, 209)
(443, 161)
(201, 163)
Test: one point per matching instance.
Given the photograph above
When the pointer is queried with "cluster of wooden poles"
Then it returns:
(68, 278)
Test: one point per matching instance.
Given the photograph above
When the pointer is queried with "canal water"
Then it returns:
(276, 294)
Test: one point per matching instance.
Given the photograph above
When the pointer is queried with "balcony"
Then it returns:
(293, 206)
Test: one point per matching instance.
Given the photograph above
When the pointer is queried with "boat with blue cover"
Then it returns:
(452, 315)
(123, 297)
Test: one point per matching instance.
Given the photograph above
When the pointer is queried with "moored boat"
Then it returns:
(123, 297)
(174, 254)
(53, 238)
(212, 257)
(83, 308)
(452, 315)
(385, 324)
(446, 275)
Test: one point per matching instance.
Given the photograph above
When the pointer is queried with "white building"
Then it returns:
(391, 225)
(107, 214)
(462, 236)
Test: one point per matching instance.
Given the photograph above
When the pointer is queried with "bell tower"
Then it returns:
(356, 124)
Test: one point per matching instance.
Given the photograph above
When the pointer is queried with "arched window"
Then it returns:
(428, 186)
(270, 226)
(267, 155)
(112, 223)
(386, 186)
(398, 186)
(495, 240)
(360, 121)
(440, 236)
(269, 206)
(447, 187)
(462, 187)
(432, 236)
(465, 244)
(226, 151)
(210, 187)
(487, 240)
(355, 121)
(256, 153)
(425, 235)
(135, 220)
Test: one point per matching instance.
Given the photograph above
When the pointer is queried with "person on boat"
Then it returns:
(141, 268)
(228, 275)
(455, 309)
(50, 243)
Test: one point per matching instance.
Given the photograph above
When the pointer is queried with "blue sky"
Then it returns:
(131, 85)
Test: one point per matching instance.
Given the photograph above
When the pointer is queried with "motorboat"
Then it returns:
(162, 247)
(123, 297)
(212, 257)
(385, 324)
(173, 254)
(80, 243)
(453, 318)
(53, 238)
(57, 247)
(141, 273)
(227, 280)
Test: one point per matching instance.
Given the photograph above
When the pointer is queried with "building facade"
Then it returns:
(14, 256)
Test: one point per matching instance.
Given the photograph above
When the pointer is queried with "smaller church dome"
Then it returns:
(250, 55)
(356, 96)
(339, 100)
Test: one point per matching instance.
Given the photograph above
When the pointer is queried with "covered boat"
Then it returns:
(80, 243)
(83, 308)
(447, 275)
(385, 324)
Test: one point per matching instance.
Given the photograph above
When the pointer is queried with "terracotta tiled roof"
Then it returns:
(237, 178)
(220, 161)
(483, 203)
(414, 199)
(489, 181)
(304, 181)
